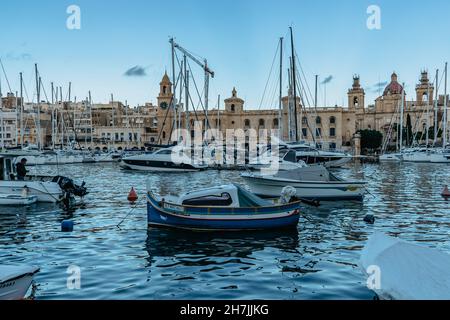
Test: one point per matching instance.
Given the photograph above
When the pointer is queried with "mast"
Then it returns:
(172, 44)
(436, 107)
(294, 84)
(186, 95)
(401, 117)
(428, 115)
(218, 112)
(53, 117)
(445, 110)
(290, 106)
(38, 94)
(21, 111)
(90, 120)
(280, 112)
(113, 136)
(17, 120)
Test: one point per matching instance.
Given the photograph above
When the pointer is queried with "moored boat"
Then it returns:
(228, 208)
(406, 271)
(16, 200)
(15, 281)
(311, 183)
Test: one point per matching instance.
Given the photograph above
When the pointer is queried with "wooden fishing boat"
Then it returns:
(15, 281)
(227, 207)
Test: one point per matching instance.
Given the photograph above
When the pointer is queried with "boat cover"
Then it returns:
(312, 173)
(8, 273)
(407, 271)
(249, 200)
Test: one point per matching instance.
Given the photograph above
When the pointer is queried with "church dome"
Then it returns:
(394, 87)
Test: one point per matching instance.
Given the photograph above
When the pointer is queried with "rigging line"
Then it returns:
(200, 99)
(269, 77)
(6, 77)
(43, 89)
(304, 76)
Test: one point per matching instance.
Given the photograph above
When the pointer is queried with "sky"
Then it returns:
(123, 46)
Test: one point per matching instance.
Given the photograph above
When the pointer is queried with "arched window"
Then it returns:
(332, 120)
(318, 120)
(304, 120)
(275, 123)
(262, 123)
(247, 123)
(233, 108)
(164, 89)
(355, 101)
(164, 135)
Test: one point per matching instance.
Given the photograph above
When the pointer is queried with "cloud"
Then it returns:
(18, 56)
(136, 71)
(379, 86)
(327, 80)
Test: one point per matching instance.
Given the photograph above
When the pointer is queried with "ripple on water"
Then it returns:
(317, 261)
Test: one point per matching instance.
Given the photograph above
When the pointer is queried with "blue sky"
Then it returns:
(238, 37)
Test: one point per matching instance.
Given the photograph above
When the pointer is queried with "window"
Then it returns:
(164, 89)
(318, 120)
(333, 146)
(233, 108)
(262, 123)
(164, 135)
(332, 120)
(318, 132)
(275, 123)
(332, 132)
(247, 123)
(355, 101)
(304, 120)
(305, 132)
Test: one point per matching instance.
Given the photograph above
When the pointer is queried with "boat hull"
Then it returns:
(158, 167)
(16, 200)
(225, 219)
(308, 190)
(44, 191)
(15, 287)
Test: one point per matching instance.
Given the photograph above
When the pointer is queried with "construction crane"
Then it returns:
(203, 65)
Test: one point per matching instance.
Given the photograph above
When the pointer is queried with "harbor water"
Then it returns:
(319, 260)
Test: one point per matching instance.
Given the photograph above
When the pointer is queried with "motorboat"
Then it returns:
(406, 271)
(15, 281)
(228, 208)
(285, 160)
(391, 157)
(312, 155)
(311, 183)
(46, 188)
(164, 160)
(17, 200)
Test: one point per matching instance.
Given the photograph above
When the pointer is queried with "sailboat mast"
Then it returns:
(21, 111)
(436, 107)
(401, 117)
(186, 95)
(294, 84)
(38, 97)
(445, 109)
(428, 115)
(172, 43)
(280, 106)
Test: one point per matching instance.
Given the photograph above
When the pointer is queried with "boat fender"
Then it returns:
(287, 194)
(132, 196)
(67, 226)
(370, 219)
(446, 192)
(25, 192)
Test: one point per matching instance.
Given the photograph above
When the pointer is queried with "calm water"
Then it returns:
(318, 261)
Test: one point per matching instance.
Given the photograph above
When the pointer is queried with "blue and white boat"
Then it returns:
(228, 207)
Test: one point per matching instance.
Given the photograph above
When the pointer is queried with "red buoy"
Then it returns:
(446, 192)
(132, 196)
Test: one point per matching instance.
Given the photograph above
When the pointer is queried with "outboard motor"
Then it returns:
(68, 186)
